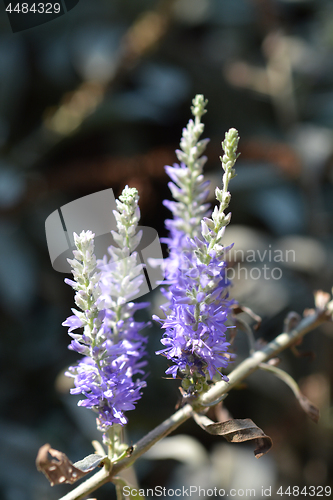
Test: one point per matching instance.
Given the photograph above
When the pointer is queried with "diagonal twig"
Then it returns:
(243, 370)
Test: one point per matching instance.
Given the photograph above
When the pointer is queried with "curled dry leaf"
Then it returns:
(60, 469)
(237, 309)
(237, 431)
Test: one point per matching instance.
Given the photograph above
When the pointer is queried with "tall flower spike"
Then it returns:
(195, 327)
(188, 188)
(109, 376)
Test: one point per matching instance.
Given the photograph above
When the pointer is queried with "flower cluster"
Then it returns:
(199, 304)
(109, 376)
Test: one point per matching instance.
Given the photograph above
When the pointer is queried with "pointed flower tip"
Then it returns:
(73, 322)
(156, 318)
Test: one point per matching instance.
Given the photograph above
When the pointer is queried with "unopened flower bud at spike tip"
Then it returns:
(230, 145)
(199, 105)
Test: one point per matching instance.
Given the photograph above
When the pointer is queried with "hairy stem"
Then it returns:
(243, 370)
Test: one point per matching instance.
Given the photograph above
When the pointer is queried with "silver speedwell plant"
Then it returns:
(198, 321)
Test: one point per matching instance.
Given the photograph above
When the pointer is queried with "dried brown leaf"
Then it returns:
(237, 309)
(60, 470)
(237, 431)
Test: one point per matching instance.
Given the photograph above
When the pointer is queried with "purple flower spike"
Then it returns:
(199, 305)
(110, 375)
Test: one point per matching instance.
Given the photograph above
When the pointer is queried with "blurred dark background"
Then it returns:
(98, 98)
